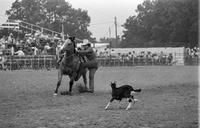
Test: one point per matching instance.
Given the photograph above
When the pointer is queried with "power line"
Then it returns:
(108, 31)
(96, 11)
(97, 27)
(101, 23)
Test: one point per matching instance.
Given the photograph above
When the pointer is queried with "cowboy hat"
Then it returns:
(72, 38)
(85, 42)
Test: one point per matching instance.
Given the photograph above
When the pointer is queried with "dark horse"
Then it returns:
(70, 65)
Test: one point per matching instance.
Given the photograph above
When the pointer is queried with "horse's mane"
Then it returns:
(72, 40)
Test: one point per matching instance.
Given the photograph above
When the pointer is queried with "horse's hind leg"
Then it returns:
(71, 82)
(60, 75)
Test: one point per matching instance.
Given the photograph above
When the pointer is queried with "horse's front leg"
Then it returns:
(58, 83)
(71, 82)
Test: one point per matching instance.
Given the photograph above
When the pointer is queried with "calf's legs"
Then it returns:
(129, 103)
(111, 100)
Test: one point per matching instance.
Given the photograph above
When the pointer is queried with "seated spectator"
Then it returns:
(18, 44)
(3, 39)
(2, 61)
(170, 58)
(12, 50)
(44, 52)
(10, 38)
(20, 52)
(2, 46)
(56, 38)
(37, 33)
(35, 51)
(47, 47)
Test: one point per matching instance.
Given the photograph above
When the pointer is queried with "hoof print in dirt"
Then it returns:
(82, 89)
(85, 91)
(66, 93)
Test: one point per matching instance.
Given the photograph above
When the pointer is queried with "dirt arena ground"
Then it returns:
(169, 99)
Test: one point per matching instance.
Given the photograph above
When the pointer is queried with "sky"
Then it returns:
(101, 12)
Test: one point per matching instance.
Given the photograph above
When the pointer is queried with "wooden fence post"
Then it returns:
(38, 62)
(44, 59)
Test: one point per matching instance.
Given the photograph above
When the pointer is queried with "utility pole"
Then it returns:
(109, 32)
(116, 31)
(63, 36)
(110, 42)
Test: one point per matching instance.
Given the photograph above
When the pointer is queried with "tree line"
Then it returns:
(162, 23)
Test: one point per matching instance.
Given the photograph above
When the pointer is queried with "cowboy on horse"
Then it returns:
(69, 64)
(76, 66)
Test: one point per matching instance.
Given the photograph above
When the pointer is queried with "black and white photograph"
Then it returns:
(99, 63)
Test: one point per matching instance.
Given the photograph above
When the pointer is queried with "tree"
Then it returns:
(162, 23)
(27, 10)
(52, 14)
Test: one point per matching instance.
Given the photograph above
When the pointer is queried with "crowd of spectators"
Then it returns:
(31, 44)
(192, 55)
(192, 52)
(143, 56)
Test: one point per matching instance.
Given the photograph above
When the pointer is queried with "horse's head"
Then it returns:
(68, 45)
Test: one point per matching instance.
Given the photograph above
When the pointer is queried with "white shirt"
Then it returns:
(47, 47)
(35, 50)
(20, 53)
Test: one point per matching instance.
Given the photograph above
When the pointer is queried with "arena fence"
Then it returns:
(191, 60)
(50, 62)
(31, 62)
(131, 62)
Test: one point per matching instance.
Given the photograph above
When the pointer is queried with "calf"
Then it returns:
(125, 91)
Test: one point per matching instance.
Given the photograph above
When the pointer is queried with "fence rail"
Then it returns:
(132, 62)
(50, 62)
(31, 62)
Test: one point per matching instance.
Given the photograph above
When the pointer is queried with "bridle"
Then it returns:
(72, 54)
